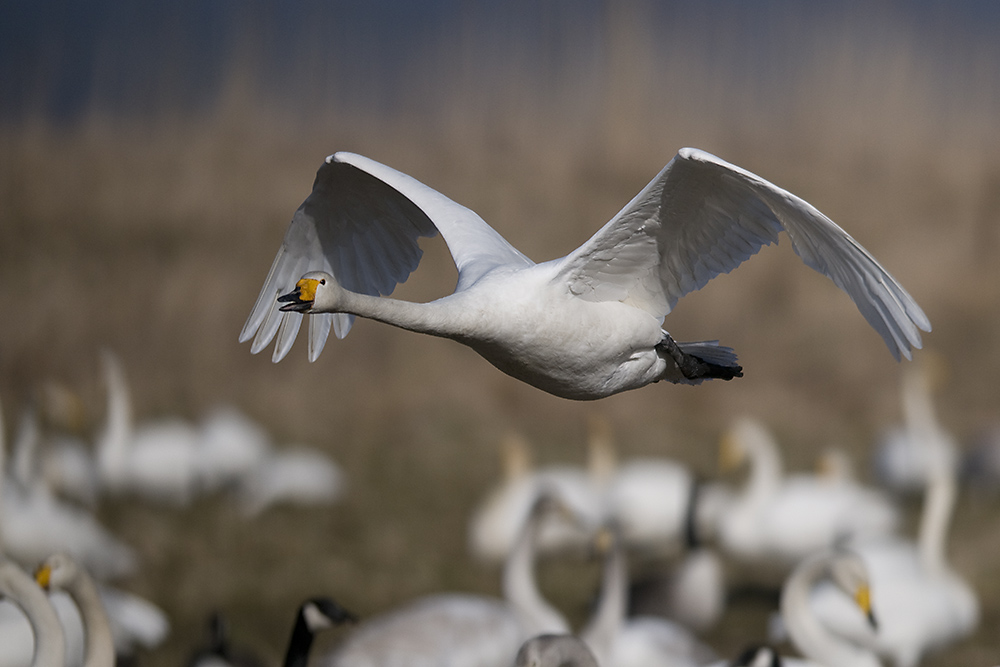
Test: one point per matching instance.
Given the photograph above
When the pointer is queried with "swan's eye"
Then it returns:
(322, 281)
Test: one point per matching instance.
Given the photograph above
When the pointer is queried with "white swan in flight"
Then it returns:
(585, 326)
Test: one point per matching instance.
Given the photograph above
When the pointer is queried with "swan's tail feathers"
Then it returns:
(693, 363)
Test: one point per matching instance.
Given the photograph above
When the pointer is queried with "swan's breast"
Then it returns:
(559, 343)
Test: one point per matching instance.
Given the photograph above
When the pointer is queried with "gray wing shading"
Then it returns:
(362, 223)
(701, 217)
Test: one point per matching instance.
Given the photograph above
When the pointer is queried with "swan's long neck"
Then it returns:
(437, 318)
(601, 631)
(520, 588)
(112, 446)
(939, 504)
(50, 648)
(766, 471)
(26, 450)
(96, 627)
(922, 425)
(806, 631)
(940, 488)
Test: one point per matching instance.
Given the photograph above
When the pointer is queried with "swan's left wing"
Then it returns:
(361, 223)
(702, 216)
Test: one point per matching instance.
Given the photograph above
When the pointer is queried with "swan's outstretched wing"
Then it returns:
(701, 217)
(361, 223)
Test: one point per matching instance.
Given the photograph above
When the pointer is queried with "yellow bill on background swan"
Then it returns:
(731, 453)
(863, 598)
(43, 575)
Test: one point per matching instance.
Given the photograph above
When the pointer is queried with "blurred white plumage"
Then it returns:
(232, 446)
(618, 641)
(848, 573)
(34, 523)
(28, 608)
(157, 460)
(921, 602)
(293, 475)
(173, 461)
(908, 455)
(789, 518)
(498, 520)
(460, 630)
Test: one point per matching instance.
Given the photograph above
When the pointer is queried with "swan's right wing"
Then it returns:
(362, 223)
(702, 216)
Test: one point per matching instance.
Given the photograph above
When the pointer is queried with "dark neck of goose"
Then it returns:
(300, 644)
(692, 538)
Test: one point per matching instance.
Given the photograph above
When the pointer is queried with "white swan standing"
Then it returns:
(618, 641)
(232, 447)
(461, 630)
(158, 461)
(585, 326)
(294, 475)
(34, 523)
(923, 604)
(172, 461)
(788, 518)
(909, 454)
(92, 615)
(48, 648)
(60, 572)
(647, 498)
(498, 520)
(847, 571)
(693, 593)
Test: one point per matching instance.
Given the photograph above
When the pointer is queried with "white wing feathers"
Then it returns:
(705, 217)
(362, 223)
(475, 246)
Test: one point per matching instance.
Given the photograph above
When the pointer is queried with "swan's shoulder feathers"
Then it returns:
(361, 223)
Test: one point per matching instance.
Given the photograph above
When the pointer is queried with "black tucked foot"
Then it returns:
(696, 368)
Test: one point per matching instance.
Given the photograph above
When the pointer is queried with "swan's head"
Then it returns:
(850, 574)
(322, 613)
(554, 651)
(731, 452)
(56, 572)
(315, 291)
(746, 438)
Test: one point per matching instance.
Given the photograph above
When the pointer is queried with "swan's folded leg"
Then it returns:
(699, 361)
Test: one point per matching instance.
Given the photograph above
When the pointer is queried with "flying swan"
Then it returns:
(582, 327)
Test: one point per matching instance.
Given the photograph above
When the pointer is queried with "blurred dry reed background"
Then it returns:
(142, 214)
